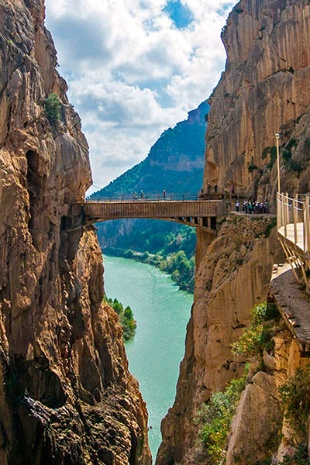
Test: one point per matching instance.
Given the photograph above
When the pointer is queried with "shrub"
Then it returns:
(215, 418)
(295, 394)
(126, 318)
(252, 167)
(299, 458)
(272, 152)
(292, 143)
(257, 337)
(287, 155)
(52, 108)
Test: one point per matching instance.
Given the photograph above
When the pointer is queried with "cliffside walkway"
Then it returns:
(197, 213)
(293, 223)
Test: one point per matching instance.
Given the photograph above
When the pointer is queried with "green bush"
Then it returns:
(215, 418)
(295, 394)
(52, 108)
(299, 458)
(257, 337)
(272, 152)
(252, 167)
(126, 318)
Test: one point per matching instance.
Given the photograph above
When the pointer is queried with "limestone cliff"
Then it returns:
(233, 275)
(66, 396)
(264, 90)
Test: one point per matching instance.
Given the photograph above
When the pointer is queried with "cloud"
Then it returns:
(134, 68)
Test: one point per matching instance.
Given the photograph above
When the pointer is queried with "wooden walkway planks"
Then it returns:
(152, 209)
(293, 220)
(294, 234)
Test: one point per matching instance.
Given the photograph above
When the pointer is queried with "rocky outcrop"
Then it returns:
(232, 277)
(66, 395)
(263, 91)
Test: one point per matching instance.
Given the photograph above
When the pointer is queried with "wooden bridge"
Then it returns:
(197, 213)
(293, 223)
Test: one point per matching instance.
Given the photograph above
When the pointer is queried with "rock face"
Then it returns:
(232, 277)
(264, 90)
(66, 396)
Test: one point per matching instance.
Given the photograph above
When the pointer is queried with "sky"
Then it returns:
(135, 68)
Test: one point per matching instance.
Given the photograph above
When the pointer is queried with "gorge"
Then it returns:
(66, 394)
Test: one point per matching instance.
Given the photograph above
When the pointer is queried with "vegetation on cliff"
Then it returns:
(258, 336)
(52, 108)
(126, 318)
(215, 417)
(295, 394)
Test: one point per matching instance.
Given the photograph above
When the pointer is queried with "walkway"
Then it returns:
(293, 222)
(293, 304)
(198, 213)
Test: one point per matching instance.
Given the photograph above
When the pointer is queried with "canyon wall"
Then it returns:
(233, 276)
(264, 90)
(66, 396)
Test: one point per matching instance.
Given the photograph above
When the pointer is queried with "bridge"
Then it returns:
(201, 214)
(293, 223)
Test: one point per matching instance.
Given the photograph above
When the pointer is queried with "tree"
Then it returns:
(52, 108)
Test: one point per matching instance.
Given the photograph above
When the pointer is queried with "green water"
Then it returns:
(155, 353)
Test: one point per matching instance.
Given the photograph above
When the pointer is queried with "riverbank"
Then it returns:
(177, 265)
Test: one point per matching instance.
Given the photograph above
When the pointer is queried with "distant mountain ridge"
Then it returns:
(175, 162)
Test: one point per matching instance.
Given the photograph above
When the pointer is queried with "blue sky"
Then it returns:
(135, 68)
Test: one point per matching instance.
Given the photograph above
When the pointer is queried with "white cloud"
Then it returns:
(132, 73)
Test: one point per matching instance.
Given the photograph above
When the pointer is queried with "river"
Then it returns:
(155, 353)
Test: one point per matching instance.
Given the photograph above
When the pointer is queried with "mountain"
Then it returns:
(175, 162)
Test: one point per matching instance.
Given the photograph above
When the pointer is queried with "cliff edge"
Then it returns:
(66, 396)
(264, 90)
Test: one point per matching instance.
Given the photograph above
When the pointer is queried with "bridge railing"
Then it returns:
(293, 219)
(149, 209)
(152, 197)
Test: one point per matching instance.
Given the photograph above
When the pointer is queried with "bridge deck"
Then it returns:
(151, 209)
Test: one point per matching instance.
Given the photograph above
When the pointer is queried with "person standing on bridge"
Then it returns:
(141, 194)
(164, 194)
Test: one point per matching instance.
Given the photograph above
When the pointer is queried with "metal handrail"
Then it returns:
(294, 213)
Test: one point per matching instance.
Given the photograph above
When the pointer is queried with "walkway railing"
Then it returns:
(293, 222)
(151, 209)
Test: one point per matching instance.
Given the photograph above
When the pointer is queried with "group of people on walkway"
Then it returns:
(142, 196)
(252, 206)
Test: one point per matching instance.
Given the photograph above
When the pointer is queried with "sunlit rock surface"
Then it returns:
(264, 90)
(66, 395)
